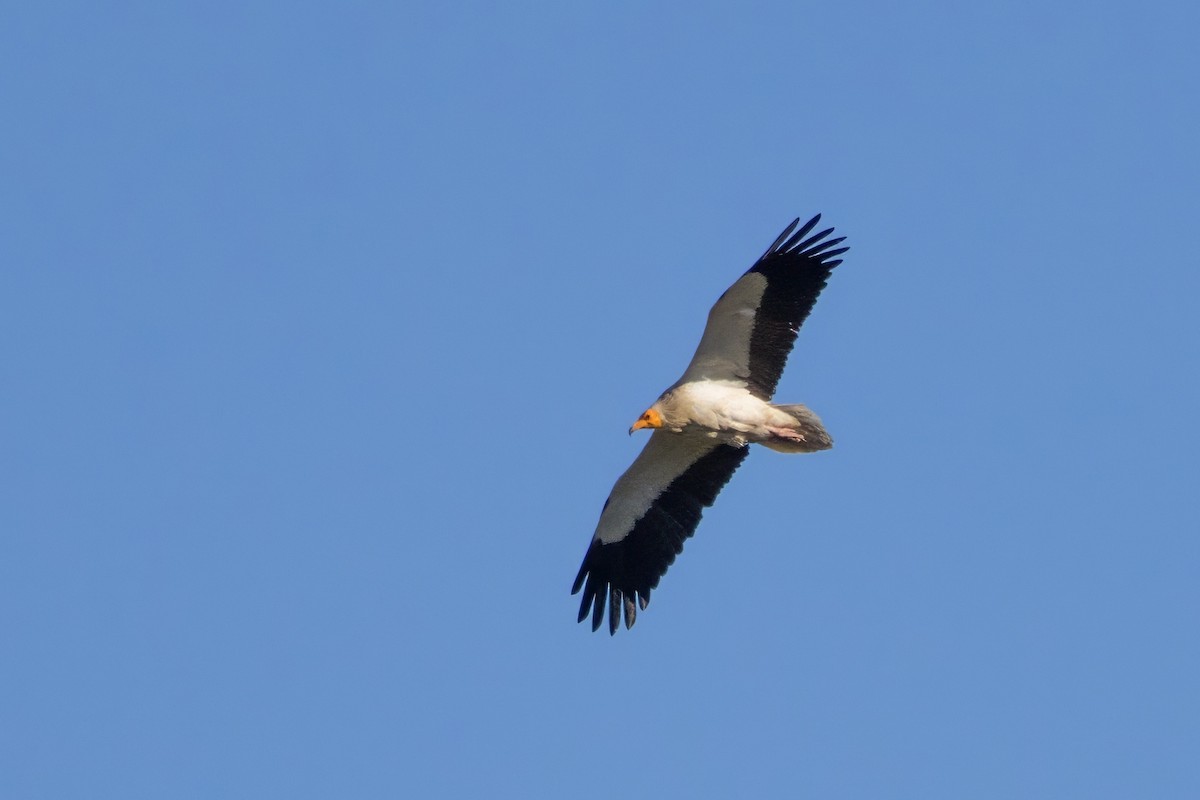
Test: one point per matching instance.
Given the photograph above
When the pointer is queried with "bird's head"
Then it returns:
(651, 419)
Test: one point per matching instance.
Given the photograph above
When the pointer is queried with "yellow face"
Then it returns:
(651, 419)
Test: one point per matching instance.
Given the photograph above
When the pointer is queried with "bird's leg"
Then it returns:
(789, 434)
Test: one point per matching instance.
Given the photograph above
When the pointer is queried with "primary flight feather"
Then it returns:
(704, 424)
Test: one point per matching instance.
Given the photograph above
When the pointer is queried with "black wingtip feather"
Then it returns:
(802, 248)
(821, 247)
(597, 610)
(779, 239)
(798, 235)
(583, 609)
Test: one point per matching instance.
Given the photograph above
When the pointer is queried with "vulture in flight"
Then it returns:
(703, 425)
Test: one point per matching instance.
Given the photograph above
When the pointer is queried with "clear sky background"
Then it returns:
(321, 327)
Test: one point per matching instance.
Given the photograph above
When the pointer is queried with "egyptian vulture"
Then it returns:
(704, 424)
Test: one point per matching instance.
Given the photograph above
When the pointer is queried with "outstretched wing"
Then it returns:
(653, 508)
(752, 327)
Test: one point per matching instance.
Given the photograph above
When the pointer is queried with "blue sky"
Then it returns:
(322, 328)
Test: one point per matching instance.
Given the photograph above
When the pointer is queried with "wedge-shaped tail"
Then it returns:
(807, 435)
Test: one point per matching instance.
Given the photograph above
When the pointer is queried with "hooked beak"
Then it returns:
(637, 426)
(651, 419)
